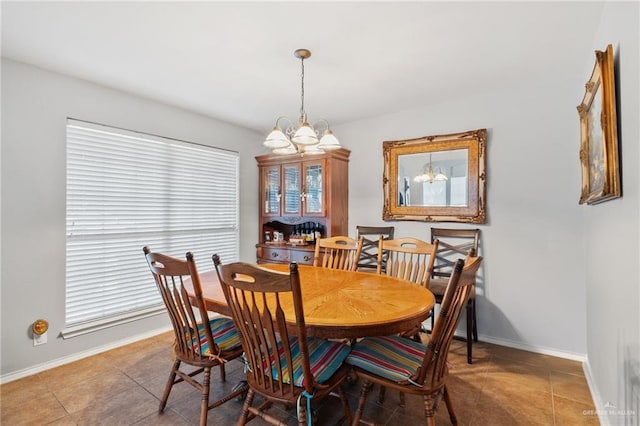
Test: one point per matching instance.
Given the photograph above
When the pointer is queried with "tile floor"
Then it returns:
(122, 387)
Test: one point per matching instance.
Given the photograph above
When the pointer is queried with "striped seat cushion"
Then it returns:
(224, 334)
(325, 358)
(392, 357)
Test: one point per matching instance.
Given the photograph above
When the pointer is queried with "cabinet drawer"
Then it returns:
(275, 255)
(303, 257)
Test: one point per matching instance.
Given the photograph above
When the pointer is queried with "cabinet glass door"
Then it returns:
(272, 190)
(292, 189)
(314, 195)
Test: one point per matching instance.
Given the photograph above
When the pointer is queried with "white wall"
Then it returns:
(35, 105)
(612, 237)
(558, 277)
(534, 294)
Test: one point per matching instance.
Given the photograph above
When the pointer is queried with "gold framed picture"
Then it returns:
(599, 133)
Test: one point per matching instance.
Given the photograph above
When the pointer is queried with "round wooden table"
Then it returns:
(343, 304)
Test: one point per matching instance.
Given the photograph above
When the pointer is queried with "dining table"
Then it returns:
(339, 303)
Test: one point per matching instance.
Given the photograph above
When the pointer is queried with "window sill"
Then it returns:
(97, 325)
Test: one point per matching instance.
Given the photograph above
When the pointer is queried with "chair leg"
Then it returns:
(345, 405)
(244, 416)
(469, 332)
(223, 373)
(447, 401)
(475, 321)
(302, 417)
(366, 388)
(381, 394)
(204, 405)
(429, 409)
(169, 386)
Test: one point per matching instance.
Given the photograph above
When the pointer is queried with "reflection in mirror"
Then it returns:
(436, 178)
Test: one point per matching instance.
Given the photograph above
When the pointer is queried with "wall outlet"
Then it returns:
(39, 339)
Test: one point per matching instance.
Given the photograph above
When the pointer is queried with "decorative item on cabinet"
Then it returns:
(302, 198)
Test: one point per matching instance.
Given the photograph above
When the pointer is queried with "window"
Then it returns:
(126, 190)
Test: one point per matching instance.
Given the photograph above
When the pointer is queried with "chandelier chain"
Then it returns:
(302, 114)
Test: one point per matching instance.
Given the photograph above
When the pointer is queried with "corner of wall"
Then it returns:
(595, 395)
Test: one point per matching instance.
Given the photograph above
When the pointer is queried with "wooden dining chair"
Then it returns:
(283, 364)
(455, 244)
(199, 341)
(368, 260)
(407, 258)
(339, 252)
(411, 367)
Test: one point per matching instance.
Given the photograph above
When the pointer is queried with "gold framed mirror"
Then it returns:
(436, 178)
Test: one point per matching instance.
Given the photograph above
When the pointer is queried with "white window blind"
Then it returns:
(126, 190)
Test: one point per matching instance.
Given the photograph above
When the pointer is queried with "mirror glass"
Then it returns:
(436, 178)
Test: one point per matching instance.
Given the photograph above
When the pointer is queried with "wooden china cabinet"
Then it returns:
(302, 197)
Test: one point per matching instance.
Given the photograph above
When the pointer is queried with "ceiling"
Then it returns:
(234, 61)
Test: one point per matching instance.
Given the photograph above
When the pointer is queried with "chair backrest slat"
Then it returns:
(369, 254)
(339, 252)
(453, 244)
(407, 258)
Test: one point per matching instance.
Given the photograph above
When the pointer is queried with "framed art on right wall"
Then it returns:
(599, 133)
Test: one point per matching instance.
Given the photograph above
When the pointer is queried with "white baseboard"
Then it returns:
(533, 348)
(595, 395)
(6, 378)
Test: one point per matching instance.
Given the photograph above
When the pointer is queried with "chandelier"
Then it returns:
(428, 175)
(303, 137)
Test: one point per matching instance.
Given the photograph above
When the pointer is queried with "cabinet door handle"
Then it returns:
(274, 254)
(306, 258)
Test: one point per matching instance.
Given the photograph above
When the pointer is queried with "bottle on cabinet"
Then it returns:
(307, 232)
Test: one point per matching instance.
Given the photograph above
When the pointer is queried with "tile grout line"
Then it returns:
(553, 398)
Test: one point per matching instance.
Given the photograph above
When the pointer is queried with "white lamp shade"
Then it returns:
(305, 135)
(289, 149)
(312, 149)
(329, 142)
(441, 176)
(276, 139)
